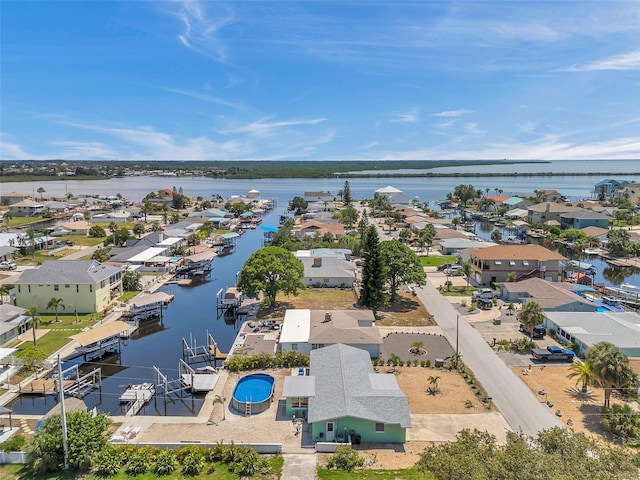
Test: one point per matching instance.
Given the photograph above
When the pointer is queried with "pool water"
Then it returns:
(254, 388)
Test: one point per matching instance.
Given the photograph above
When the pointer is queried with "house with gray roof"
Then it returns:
(551, 296)
(583, 219)
(13, 322)
(584, 330)
(328, 272)
(85, 286)
(344, 399)
(304, 330)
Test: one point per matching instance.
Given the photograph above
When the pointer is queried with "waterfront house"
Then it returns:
(584, 330)
(551, 296)
(10, 198)
(341, 253)
(26, 208)
(318, 197)
(317, 229)
(495, 264)
(80, 227)
(512, 203)
(328, 272)
(393, 195)
(453, 246)
(13, 322)
(583, 219)
(85, 286)
(597, 232)
(121, 216)
(344, 400)
(542, 213)
(304, 330)
(608, 187)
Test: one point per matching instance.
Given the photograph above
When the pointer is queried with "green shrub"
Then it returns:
(346, 458)
(193, 464)
(109, 461)
(139, 463)
(427, 363)
(165, 462)
(14, 444)
(249, 464)
(264, 360)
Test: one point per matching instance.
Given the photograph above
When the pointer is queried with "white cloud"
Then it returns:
(412, 116)
(263, 127)
(625, 61)
(453, 113)
(200, 31)
(13, 151)
(205, 98)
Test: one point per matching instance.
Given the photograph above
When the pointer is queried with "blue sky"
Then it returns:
(319, 80)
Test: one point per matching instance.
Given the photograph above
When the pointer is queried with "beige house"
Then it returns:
(85, 286)
(542, 213)
(26, 208)
(80, 227)
(631, 191)
(495, 264)
(10, 198)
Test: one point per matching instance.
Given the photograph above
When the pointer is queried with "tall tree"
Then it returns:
(348, 216)
(582, 372)
(531, 315)
(41, 190)
(465, 194)
(55, 304)
(467, 269)
(611, 368)
(373, 271)
(271, 270)
(346, 193)
(403, 267)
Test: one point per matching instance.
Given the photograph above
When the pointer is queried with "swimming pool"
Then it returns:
(253, 393)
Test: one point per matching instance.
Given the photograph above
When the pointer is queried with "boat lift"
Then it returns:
(194, 353)
(228, 302)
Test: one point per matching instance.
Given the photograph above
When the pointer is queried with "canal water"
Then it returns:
(193, 313)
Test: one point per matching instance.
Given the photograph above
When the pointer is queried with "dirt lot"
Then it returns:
(407, 311)
(583, 410)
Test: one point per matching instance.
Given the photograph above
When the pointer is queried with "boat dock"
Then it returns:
(137, 396)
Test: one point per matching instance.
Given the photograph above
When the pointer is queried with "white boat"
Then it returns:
(143, 312)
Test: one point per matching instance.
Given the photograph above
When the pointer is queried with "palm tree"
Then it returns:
(41, 190)
(610, 367)
(4, 290)
(467, 269)
(55, 304)
(417, 347)
(7, 217)
(531, 315)
(433, 380)
(35, 320)
(583, 372)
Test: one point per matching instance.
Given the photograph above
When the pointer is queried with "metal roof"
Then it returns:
(100, 333)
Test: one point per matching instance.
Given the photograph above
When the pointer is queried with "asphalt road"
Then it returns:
(520, 407)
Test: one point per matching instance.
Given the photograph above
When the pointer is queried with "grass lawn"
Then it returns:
(20, 221)
(311, 298)
(435, 261)
(368, 474)
(82, 240)
(126, 296)
(456, 291)
(406, 312)
(19, 472)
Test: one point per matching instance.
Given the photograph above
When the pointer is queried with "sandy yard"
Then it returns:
(582, 410)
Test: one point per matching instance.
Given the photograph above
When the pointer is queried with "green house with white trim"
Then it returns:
(343, 398)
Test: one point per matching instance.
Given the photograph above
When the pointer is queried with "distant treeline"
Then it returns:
(52, 170)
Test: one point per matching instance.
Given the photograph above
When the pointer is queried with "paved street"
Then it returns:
(521, 408)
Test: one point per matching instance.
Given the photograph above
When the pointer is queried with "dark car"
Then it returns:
(442, 267)
(484, 304)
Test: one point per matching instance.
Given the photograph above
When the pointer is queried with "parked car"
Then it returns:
(443, 267)
(484, 304)
(485, 293)
(538, 331)
(8, 265)
(454, 270)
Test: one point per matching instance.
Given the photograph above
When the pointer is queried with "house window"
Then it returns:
(19, 289)
(379, 427)
(67, 285)
(56, 288)
(90, 288)
(294, 346)
(29, 288)
(498, 262)
(299, 402)
(77, 288)
(512, 263)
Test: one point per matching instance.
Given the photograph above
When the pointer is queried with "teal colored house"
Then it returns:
(342, 398)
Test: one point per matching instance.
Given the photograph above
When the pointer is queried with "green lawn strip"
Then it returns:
(435, 261)
(20, 221)
(19, 472)
(367, 474)
(126, 296)
(82, 240)
(458, 292)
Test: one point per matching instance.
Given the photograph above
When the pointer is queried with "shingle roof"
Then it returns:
(85, 272)
(346, 386)
(346, 326)
(554, 207)
(585, 214)
(329, 267)
(516, 252)
(546, 294)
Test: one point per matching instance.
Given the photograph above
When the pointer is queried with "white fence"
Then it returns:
(13, 457)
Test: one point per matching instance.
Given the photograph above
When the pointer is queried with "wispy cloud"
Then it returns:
(412, 116)
(625, 61)
(452, 113)
(205, 98)
(263, 127)
(200, 32)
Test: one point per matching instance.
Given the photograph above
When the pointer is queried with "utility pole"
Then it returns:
(65, 443)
